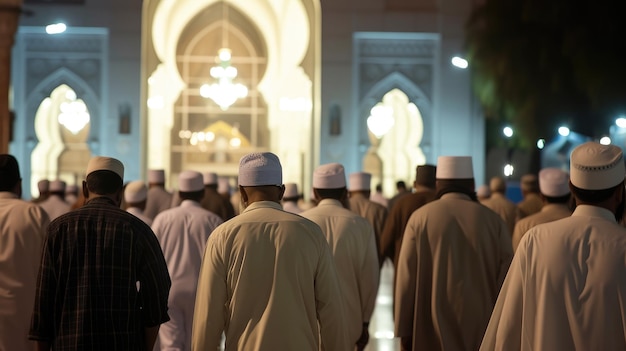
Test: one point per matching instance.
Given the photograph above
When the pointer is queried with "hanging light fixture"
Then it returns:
(224, 92)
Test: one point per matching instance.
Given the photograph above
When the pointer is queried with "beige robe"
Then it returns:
(352, 243)
(504, 207)
(268, 281)
(550, 212)
(565, 289)
(530, 204)
(454, 256)
(375, 213)
(22, 231)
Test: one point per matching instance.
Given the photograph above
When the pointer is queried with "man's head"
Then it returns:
(529, 184)
(104, 178)
(497, 185)
(135, 194)
(597, 176)
(360, 182)
(554, 185)
(44, 187)
(483, 192)
(425, 176)
(210, 180)
(455, 174)
(10, 179)
(190, 186)
(57, 187)
(156, 177)
(329, 182)
(291, 192)
(260, 178)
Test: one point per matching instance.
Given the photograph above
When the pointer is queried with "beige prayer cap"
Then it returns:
(43, 185)
(455, 167)
(156, 176)
(57, 186)
(594, 166)
(360, 181)
(260, 168)
(329, 176)
(190, 181)
(291, 190)
(101, 163)
(553, 182)
(209, 178)
(223, 185)
(135, 192)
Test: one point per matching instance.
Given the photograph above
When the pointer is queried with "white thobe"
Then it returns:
(292, 206)
(182, 232)
(352, 243)
(137, 212)
(548, 213)
(55, 206)
(566, 287)
(269, 282)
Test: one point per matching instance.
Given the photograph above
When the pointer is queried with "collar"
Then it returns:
(459, 196)
(594, 211)
(330, 202)
(189, 203)
(263, 204)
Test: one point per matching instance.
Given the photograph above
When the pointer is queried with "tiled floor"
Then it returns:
(381, 323)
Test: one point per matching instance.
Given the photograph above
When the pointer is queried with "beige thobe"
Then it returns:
(549, 212)
(55, 207)
(504, 207)
(352, 243)
(22, 230)
(454, 256)
(268, 281)
(375, 213)
(158, 200)
(565, 289)
(530, 204)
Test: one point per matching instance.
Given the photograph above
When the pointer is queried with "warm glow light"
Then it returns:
(459, 62)
(541, 143)
(224, 92)
(508, 132)
(564, 131)
(605, 140)
(299, 104)
(56, 28)
(621, 122)
(74, 116)
(156, 102)
(508, 170)
(380, 120)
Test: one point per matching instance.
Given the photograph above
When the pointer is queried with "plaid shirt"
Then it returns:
(87, 293)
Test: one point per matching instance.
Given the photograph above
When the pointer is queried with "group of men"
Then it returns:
(269, 279)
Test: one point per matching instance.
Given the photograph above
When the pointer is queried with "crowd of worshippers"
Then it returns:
(109, 265)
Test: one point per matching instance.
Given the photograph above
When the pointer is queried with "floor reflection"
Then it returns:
(381, 323)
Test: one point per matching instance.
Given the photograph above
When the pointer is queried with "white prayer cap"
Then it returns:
(223, 185)
(101, 163)
(329, 176)
(135, 191)
(553, 182)
(189, 181)
(43, 185)
(57, 186)
(209, 178)
(455, 167)
(260, 168)
(360, 181)
(156, 176)
(594, 166)
(291, 190)
(483, 191)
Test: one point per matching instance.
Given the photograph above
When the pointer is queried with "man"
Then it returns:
(401, 190)
(378, 196)
(71, 194)
(135, 194)
(454, 256)
(360, 203)
(500, 204)
(395, 224)
(214, 201)
(183, 232)
(43, 186)
(55, 204)
(290, 198)
(103, 282)
(531, 197)
(483, 193)
(555, 193)
(158, 199)
(268, 279)
(22, 230)
(566, 285)
(353, 245)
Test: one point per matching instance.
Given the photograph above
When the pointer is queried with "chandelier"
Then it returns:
(224, 92)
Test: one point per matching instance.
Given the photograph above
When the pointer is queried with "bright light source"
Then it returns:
(459, 62)
(621, 122)
(564, 131)
(56, 28)
(508, 170)
(541, 143)
(508, 132)
(605, 140)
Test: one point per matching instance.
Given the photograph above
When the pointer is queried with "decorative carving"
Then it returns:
(397, 48)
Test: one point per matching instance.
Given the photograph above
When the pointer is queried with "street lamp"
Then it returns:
(564, 131)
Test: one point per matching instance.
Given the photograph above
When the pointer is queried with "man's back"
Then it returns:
(271, 274)
(158, 201)
(87, 294)
(454, 256)
(504, 207)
